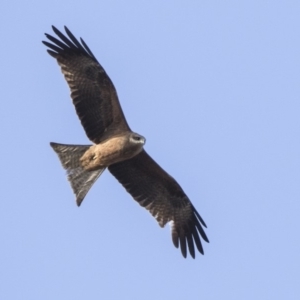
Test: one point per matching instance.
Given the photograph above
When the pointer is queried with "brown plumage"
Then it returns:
(116, 147)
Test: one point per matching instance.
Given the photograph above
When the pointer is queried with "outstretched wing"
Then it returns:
(93, 93)
(159, 193)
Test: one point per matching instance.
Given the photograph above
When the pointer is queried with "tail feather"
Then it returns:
(80, 179)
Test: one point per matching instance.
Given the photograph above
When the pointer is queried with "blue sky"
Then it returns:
(214, 87)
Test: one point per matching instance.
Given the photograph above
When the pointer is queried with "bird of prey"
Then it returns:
(116, 147)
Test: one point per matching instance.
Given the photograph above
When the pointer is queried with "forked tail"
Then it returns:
(80, 179)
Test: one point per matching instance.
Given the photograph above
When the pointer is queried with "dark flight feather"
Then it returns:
(94, 95)
(159, 193)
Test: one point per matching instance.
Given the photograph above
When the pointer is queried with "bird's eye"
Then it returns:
(137, 138)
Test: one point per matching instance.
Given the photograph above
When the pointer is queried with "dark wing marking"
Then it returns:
(159, 193)
(93, 93)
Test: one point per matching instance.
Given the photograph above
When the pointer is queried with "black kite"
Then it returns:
(116, 147)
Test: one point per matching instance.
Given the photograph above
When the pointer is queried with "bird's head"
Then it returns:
(136, 138)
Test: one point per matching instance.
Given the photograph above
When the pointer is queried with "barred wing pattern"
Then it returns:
(162, 196)
(93, 93)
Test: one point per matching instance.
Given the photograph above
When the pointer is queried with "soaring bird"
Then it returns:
(116, 147)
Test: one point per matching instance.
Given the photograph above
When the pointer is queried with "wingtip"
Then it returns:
(52, 53)
(199, 217)
(66, 29)
(55, 30)
(183, 253)
(206, 240)
(175, 238)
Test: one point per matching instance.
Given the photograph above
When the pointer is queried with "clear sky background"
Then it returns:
(214, 86)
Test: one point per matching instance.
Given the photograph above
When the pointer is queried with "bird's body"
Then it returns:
(111, 151)
(116, 147)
